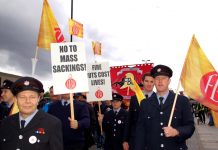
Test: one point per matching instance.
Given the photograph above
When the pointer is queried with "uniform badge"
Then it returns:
(26, 83)
(32, 139)
(40, 131)
(159, 70)
(119, 121)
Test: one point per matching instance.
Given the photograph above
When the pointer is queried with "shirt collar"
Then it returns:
(29, 118)
(64, 100)
(117, 110)
(148, 93)
(164, 96)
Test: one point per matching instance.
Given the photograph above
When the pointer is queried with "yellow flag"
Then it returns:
(96, 46)
(139, 94)
(75, 28)
(49, 31)
(199, 78)
(215, 118)
(14, 108)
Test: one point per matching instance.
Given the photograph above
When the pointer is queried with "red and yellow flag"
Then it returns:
(135, 87)
(199, 78)
(49, 31)
(96, 46)
(75, 28)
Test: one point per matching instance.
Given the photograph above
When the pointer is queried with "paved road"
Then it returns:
(204, 138)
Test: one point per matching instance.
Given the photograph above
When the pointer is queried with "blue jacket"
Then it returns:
(113, 126)
(130, 127)
(149, 132)
(73, 138)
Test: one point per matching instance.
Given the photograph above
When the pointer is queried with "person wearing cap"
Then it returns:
(30, 129)
(113, 124)
(152, 130)
(134, 107)
(7, 99)
(105, 106)
(73, 129)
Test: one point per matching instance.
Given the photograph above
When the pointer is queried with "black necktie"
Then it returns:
(65, 103)
(22, 123)
(115, 113)
(146, 96)
(161, 102)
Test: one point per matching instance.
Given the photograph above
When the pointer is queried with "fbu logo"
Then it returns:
(209, 87)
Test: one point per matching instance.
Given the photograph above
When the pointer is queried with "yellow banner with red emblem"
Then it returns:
(49, 31)
(75, 28)
(199, 79)
(96, 46)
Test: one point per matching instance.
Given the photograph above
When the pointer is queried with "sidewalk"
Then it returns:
(204, 138)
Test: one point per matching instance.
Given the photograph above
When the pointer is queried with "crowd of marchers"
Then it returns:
(47, 124)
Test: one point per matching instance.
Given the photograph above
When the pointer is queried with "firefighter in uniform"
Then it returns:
(130, 127)
(153, 132)
(30, 129)
(8, 99)
(114, 123)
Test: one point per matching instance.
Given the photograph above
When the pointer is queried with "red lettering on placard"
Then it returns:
(209, 87)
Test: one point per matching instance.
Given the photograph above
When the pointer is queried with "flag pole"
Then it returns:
(71, 94)
(71, 106)
(99, 110)
(177, 91)
(34, 61)
(174, 104)
(71, 36)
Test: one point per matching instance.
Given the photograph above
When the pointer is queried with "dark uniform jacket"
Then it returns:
(4, 111)
(113, 126)
(130, 127)
(89, 132)
(43, 132)
(149, 132)
(73, 138)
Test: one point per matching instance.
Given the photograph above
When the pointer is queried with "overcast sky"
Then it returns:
(130, 31)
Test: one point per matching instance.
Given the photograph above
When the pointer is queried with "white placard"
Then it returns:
(69, 67)
(99, 82)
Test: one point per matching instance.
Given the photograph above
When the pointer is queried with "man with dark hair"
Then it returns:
(130, 128)
(152, 131)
